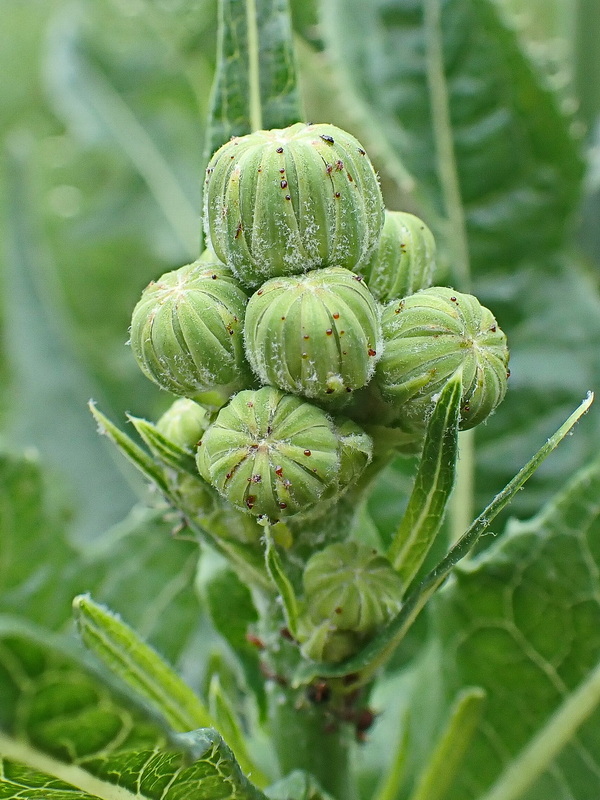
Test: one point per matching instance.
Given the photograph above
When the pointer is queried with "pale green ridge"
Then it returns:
(282, 583)
(122, 651)
(432, 487)
(539, 754)
(451, 747)
(367, 661)
(227, 723)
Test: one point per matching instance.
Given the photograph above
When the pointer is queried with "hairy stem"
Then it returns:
(253, 66)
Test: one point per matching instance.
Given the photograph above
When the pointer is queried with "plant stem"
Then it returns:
(538, 755)
(303, 740)
(253, 66)
(461, 502)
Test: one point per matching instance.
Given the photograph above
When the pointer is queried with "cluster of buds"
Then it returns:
(311, 310)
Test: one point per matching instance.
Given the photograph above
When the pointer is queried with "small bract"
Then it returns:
(285, 201)
(271, 453)
(317, 335)
(404, 260)
(186, 333)
(183, 423)
(428, 337)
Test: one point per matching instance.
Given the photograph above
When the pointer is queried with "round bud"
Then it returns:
(183, 423)
(316, 334)
(186, 333)
(285, 201)
(352, 586)
(428, 337)
(270, 453)
(404, 261)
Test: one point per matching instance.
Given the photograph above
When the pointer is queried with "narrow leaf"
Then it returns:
(451, 747)
(229, 726)
(433, 484)
(298, 785)
(255, 82)
(391, 782)
(130, 449)
(283, 584)
(122, 651)
(368, 660)
(162, 448)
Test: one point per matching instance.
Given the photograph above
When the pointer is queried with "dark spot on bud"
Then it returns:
(287, 197)
(287, 483)
(286, 634)
(327, 138)
(309, 124)
(344, 353)
(231, 331)
(342, 333)
(280, 149)
(329, 169)
(350, 178)
(250, 501)
(231, 156)
(306, 336)
(466, 408)
(358, 278)
(453, 299)
(336, 315)
(339, 165)
(338, 610)
(279, 471)
(307, 453)
(255, 479)
(304, 355)
(238, 230)
(214, 277)
(328, 331)
(348, 388)
(337, 194)
(209, 170)
(364, 719)
(228, 476)
(493, 329)
(282, 505)
(283, 319)
(260, 169)
(282, 171)
(361, 151)
(250, 404)
(508, 373)
(328, 391)
(372, 352)
(284, 184)
(260, 291)
(269, 430)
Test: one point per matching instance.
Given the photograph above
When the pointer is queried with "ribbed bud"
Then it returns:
(183, 423)
(271, 453)
(404, 261)
(316, 334)
(428, 337)
(350, 591)
(186, 333)
(285, 201)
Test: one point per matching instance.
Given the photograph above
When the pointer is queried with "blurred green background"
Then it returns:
(102, 110)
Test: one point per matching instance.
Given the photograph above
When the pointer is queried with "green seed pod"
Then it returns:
(186, 333)
(270, 453)
(404, 261)
(282, 202)
(316, 334)
(350, 591)
(183, 423)
(428, 337)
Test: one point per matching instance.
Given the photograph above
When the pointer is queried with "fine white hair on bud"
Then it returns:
(289, 200)
(317, 334)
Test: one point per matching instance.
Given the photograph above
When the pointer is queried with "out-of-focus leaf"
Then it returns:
(298, 785)
(524, 619)
(255, 82)
(50, 385)
(518, 167)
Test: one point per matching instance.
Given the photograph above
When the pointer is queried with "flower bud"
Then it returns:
(186, 333)
(183, 423)
(428, 337)
(316, 334)
(404, 261)
(285, 201)
(350, 591)
(270, 453)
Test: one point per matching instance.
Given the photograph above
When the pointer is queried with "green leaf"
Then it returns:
(433, 484)
(255, 83)
(63, 726)
(140, 667)
(518, 167)
(282, 583)
(524, 618)
(376, 652)
(298, 785)
(447, 758)
(162, 448)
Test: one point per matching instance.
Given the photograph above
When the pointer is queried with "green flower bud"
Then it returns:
(186, 333)
(404, 261)
(428, 337)
(316, 334)
(270, 453)
(350, 591)
(183, 423)
(282, 202)
(356, 451)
